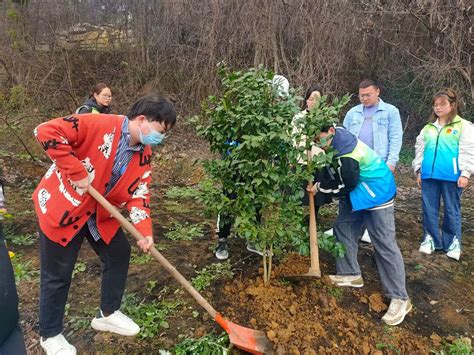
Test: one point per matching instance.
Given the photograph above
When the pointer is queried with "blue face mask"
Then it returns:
(153, 138)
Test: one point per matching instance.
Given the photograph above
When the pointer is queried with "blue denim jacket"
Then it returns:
(387, 128)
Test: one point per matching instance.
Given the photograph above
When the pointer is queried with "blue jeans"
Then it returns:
(431, 192)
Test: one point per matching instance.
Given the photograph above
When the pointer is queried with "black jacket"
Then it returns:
(8, 297)
(91, 104)
(342, 177)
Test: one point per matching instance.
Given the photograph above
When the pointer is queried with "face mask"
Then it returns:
(153, 138)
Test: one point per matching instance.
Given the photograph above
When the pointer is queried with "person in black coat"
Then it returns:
(98, 101)
(11, 335)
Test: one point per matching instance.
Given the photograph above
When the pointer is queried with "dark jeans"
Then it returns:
(431, 192)
(57, 265)
(11, 336)
(14, 344)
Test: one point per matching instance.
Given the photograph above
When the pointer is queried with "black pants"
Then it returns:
(57, 265)
(226, 220)
(11, 336)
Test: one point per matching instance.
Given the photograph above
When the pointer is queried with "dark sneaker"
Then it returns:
(222, 250)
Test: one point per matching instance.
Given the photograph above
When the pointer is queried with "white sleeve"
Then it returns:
(419, 150)
(466, 149)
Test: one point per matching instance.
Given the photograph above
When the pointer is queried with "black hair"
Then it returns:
(367, 83)
(325, 128)
(309, 91)
(156, 108)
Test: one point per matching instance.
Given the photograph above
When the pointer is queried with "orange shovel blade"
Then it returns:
(250, 340)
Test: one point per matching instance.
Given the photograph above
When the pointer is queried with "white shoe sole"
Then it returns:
(454, 255)
(221, 257)
(73, 350)
(425, 250)
(401, 319)
(104, 327)
(347, 284)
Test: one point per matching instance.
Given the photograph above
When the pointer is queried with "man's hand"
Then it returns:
(418, 179)
(82, 184)
(145, 244)
(313, 188)
(463, 181)
(392, 168)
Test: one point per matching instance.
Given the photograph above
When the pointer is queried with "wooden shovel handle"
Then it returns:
(156, 254)
(313, 236)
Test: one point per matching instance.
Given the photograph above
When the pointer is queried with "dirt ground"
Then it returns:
(299, 317)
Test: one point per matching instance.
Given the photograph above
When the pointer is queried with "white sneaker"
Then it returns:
(427, 246)
(117, 322)
(365, 237)
(57, 345)
(347, 280)
(329, 232)
(397, 311)
(454, 251)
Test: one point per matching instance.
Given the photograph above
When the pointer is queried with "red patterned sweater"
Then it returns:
(81, 145)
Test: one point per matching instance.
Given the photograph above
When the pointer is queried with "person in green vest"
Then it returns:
(443, 164)
(98, 101)
(366, 189)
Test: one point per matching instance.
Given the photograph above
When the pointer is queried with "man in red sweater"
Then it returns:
(113, 154)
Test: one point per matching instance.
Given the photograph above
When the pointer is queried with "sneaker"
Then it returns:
(254, 248)
(365, 237)
(117, 322)
(347, 280)
(222, 250)
(427, 246)
(454, 251)
(57, 345)
(329, 232)
(397, 311)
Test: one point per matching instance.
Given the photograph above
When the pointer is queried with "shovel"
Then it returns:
(314, 270)
(250, 340)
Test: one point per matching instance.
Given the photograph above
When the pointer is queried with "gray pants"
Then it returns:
(381, 226)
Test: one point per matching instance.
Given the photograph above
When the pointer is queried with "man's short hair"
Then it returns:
(155, 108)
(325, 128)
(367, 83)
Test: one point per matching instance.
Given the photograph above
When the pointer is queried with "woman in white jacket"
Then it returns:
(312, 95)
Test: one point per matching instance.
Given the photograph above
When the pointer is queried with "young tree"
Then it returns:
(259, 177)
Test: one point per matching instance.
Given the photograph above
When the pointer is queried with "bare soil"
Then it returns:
(299, 317)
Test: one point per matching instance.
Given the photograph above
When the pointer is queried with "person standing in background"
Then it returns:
(444, 161)
(377, 124)
(98, 101)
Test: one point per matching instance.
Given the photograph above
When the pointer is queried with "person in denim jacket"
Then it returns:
(376, 123)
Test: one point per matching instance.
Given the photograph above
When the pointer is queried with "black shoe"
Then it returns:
(222, 250)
